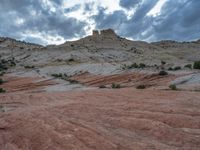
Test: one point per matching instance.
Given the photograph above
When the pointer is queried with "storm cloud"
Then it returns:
(53, 21)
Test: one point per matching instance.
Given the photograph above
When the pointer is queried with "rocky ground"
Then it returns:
(90, 94)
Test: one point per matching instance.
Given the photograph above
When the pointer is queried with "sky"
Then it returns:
(55, 21)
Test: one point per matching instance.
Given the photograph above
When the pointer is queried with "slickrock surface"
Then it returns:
(124, 118)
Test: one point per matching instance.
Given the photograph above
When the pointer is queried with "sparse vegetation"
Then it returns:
(1, 81)
(60, 75)
(173, 87)
(2, 108)
(196, 65)
(134, 65)
(177, 68)
(170, 69)
(29, 67)
(142, 86)
(102, 86)
(163, 73)
(71, 59)
(163, 62)
(115, 86)
(141, 65)
(65, 77)
(2, 90)
(72, 81)
(188, 66)
(2, 73)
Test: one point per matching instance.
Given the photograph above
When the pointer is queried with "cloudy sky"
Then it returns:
(54, 21)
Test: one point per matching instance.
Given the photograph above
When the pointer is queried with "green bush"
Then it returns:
(173, 87)
(196, 65)
(163, 73)
(116, 86)
(141, 87)
(2, 90)
(188, 66)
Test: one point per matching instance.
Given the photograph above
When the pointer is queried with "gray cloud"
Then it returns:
(128, 4)
(178, 20)
(45, 20)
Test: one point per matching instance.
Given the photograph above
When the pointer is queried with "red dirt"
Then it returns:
(100, 119)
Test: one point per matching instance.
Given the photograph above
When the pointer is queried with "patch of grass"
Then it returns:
(2, 90)
(115, 86)
(142, 86)
(196, 65)
(173, 87)
(163, 73)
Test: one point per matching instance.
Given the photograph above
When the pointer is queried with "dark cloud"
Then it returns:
(128, 4)
(178, 20)
(37, 17)
(112, 20)
(72, 9)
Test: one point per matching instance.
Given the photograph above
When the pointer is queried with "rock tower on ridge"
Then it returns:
(104, 33)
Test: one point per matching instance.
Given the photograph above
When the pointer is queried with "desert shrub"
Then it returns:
(2, 90)
(142, 86)
(102, 86)
(177, 68)
(163, 73)
(1, 81)
(188, 66)
(59, 75)
(170, 68)
(72, 81)
(173, 87)
(71, 59)
(141, 65)
(29, 67)
(163, 62)
(196, 65)
(115, 86)
(134, 65)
